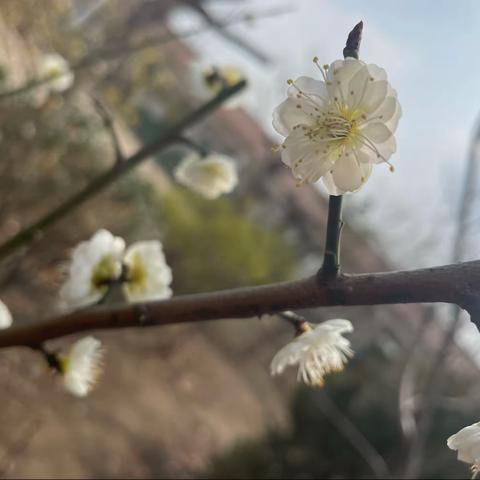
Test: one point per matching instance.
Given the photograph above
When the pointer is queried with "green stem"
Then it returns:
(331, 259)
(170, 136)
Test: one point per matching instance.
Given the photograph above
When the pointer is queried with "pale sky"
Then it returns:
(429, 49)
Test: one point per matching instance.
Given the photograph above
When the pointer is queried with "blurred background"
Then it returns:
(197, 401)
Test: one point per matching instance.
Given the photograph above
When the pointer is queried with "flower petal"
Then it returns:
(376, 132)
(287, 115)
(349, 174)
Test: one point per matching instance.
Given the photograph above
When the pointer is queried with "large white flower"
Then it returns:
(148, 276)
(82, 366)
(57, 69)
(5, 316)
(318, 351)
(95, 263)
(338, 127)
(467, 444)
(209, 80)
(211, 176)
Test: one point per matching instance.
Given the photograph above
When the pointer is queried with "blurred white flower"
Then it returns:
(467, 444)
(318, 351)
(55, 67)
(211, 176)
(339, 127)
(209, 80)
(82, 366)
(5, 316)
(94, 264)
(147, 274)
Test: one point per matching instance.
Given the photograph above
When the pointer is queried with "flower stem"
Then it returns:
(331, 259)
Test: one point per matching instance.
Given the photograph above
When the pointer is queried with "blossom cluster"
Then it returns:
(104, 260)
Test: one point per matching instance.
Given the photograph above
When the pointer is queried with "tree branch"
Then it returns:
(164, 140)
(456, 284)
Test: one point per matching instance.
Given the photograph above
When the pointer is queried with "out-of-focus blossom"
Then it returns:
(467, 444)
(209, 80)
(318, 351)
(147, 276)
(210, 176)
(82, 366)
(57, 69)
(5, 316)
(95, 264)
(338, 127)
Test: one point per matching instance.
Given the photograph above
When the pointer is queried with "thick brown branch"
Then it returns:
(457, 284)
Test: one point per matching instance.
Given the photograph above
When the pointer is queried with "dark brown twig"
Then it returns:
(457, 284)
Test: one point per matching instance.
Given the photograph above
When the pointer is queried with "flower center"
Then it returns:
(137, 273)
(103, 273)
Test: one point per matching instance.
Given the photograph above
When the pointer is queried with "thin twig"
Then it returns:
(448, 284)
(298, 322)
(196, 147)
(108, 123)
(354, 436)
(97, 185)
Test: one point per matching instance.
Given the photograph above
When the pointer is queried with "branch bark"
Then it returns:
(458, 284)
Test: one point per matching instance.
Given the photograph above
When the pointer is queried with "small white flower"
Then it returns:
(467, 444)
(94, 264)
(5, 316)
(339, 127)
(55, 67)
(318, 351)
(147, 274)
(209, 80)
(82, 366)
(211, 176)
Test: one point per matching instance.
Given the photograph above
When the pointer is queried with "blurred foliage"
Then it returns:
(213, 244)
(314, 445)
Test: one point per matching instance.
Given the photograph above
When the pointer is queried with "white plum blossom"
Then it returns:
(5, 316)
(57, 69)
(209, 80)
(82, 366)
(95, 263)
(338, 127)
(318, 351)
(467, 444)
(147, 277)
(210, 176)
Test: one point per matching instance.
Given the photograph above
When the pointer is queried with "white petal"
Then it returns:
(287, 115)
(5, 316)
(83, 366)
(102, 249)
(339, 76)
(152, 276)
(376, 72)
(348, 174)
(211, 176)
(296, 146)
(312, 166)
(376, 132)
(314, 88)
